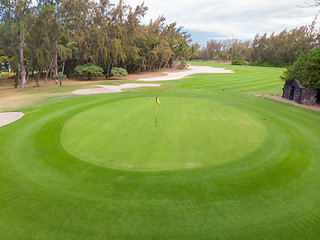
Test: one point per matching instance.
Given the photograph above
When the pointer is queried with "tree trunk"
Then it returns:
(64, 62)
(37, 82)
(55, 59)
(48, 72)
(50, 76)
(22, 66)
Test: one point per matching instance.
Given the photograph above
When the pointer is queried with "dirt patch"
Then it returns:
(14, 98)
(280, 98)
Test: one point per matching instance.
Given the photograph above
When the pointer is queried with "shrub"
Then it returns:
(237, 62)
(119, 72)
(5, 75)
(60, 76)
(90, 70)
(254, 64)
(306, 69)
(183, 65)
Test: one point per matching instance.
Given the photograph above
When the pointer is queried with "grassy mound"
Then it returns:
(259, 181)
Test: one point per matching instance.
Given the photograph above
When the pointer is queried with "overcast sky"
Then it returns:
(221, 19)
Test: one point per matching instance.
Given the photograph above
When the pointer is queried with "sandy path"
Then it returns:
(112, 89)
(9, 117)
(193, 70)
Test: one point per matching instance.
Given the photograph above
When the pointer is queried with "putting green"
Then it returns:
(190, 132)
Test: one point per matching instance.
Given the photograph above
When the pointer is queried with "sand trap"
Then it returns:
(193, 70)
(112, 89)
(9, 117)
(168, 76)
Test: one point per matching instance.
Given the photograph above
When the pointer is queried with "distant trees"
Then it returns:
(51, 36)
(284, 48)
(230, 49)
(275, 50)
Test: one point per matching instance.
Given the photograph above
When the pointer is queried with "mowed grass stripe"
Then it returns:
(270, 193)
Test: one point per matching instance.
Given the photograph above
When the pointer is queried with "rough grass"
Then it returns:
(270, 192)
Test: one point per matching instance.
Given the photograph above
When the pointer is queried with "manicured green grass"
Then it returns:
(181, 133)
(221, 164)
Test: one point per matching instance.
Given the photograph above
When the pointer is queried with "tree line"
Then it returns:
(274, 50)
(52, 36)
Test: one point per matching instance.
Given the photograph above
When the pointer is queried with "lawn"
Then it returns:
(220, 164)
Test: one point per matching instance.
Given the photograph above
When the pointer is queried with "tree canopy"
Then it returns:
(275, 50)
(306, 69)
(51, 36)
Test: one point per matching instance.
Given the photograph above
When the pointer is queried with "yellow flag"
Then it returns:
(157, 100)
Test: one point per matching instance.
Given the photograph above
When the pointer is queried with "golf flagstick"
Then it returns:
(156, 117)
(156, 114)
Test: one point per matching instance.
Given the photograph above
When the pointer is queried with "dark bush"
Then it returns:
(237, 62)
(306, 69)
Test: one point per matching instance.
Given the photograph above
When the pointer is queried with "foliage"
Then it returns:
(237, 62)
(3, 59)
(90, 70)
(226, 50)
(119, 72)
(5, 75)
(284, 48)
(61, 34)
(306, 69)
(183, 65)
(60, 76)
(278, 50)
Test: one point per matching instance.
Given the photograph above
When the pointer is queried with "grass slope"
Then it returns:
(268, 191)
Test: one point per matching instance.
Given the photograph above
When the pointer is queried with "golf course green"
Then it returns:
(212, 161)
(189, 132)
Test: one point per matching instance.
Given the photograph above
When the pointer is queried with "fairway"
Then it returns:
(219, 163)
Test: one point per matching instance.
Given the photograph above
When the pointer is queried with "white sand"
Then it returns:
(169, 76)
(9, 117)
(112, 89)
(193, 70)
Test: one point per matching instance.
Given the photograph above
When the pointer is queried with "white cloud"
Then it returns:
(231, 18)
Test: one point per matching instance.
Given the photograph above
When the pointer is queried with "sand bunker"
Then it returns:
(113, 89)
(9, 117)
(169, 76)
(193, 70)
